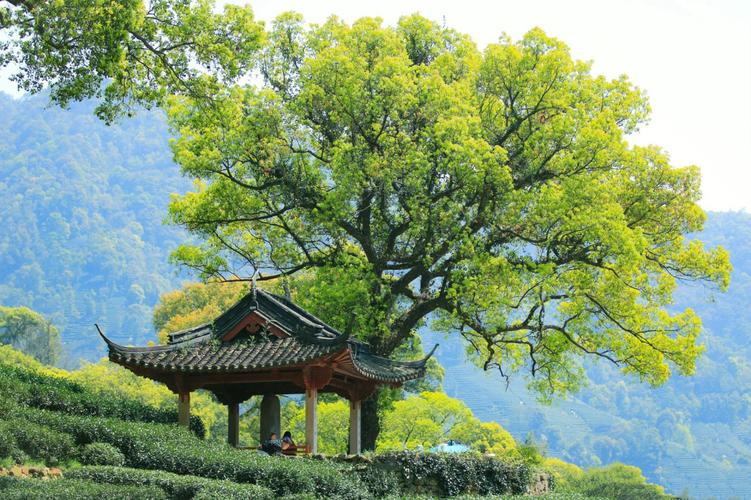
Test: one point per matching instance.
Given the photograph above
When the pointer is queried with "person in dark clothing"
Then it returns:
(288, 445)
(272, 445)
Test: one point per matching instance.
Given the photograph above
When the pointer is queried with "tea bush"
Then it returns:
(8, 445)
(163, 447)
(444, 474)
(101, 454)
(176, 486)
(25, 386)
(12, 488)
(35, 441)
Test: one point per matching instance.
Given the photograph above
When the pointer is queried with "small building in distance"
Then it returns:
(266, 345)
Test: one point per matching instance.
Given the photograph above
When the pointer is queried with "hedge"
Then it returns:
(41, 391)
(12, 488)
(444, 474)
(163, 447)
(176, 486)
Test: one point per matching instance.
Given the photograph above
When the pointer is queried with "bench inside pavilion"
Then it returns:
(265, 345)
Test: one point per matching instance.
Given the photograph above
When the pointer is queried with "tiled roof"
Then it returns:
(201, 349)
(281, 312)
(383, 369)
(209, 356)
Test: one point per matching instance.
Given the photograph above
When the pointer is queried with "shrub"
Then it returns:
(101, 454)
(8, 445)
(444, 474)
(71, 489)
(26, 386)
(36, 440)
(562, 473)
(176, 486)
(380, 482)
(168, 448)
(618, 482)
(546, 496)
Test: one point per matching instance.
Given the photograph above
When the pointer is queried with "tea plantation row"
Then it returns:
(55, 421)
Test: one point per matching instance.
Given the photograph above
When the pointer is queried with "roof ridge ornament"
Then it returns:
(254, 290)
(340, 339)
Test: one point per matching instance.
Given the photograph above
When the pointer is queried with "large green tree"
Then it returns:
(129, 53)
(495, 191)
(420, 177)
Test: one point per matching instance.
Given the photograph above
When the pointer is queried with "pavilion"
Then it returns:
(266, 345)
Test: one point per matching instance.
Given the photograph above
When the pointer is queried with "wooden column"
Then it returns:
(315, 378)
(183, 409)
(354, 427)
(311, 419)
(233, 424)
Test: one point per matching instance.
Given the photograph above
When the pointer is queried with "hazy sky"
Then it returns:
(693, 57)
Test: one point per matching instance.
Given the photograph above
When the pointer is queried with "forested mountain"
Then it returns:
(81, 211)
(83, 241)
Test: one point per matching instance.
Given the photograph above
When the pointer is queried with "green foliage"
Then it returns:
(547, 496)
(11, 357)
(193, 305)
(183, 466)
(42, 391)
(430, 418)
(333, 425)
(174, 485)
(693, 433)
(444, 474)
(101, 454)
(129, 53)
(563, 473)
(411, 175)
(111, 380)
(618, 482)
(57, 427)
(84, 240)
(35, 441)
(171, 449)
(28, 331)
(72, 489)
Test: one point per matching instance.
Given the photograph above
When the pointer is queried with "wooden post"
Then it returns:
(311, 419)
(233, 424)
(354, 427)
(183, 409)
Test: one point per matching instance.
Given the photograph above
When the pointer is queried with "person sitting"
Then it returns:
(288, 445)
(272, 445)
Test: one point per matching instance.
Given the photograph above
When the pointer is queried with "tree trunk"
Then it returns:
(371, 424)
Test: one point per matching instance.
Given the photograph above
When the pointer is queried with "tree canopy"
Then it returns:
(430, 418)
(494, 190)
(129, 53)
(193, 305)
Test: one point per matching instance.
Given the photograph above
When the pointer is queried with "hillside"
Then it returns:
(83, 241)
(82, 212)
